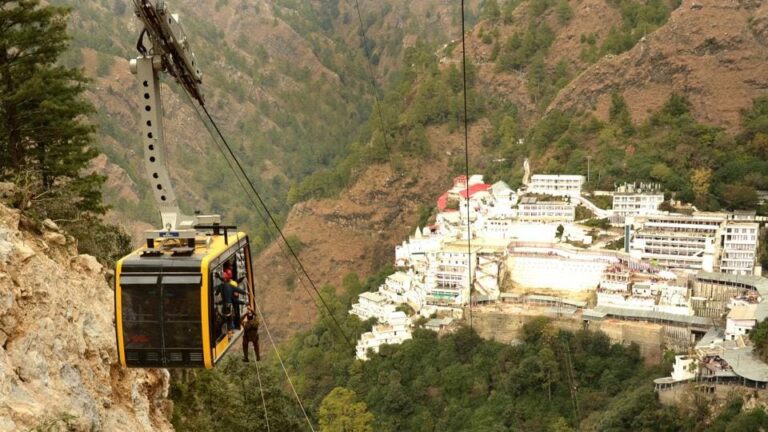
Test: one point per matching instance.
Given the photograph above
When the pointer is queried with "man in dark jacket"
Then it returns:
(227, 288)
(250, 334)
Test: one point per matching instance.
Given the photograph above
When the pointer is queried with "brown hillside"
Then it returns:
(589, 17)
(357, 231)
(712, 51)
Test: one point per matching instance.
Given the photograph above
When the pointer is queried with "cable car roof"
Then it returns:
(205, 246)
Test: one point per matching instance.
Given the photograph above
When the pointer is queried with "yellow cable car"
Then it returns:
(172, 308)
(168, 311)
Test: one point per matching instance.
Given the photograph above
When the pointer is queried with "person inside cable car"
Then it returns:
(227, 288)
(236, 304)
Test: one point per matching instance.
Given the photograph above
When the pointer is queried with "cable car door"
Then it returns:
(161, 320)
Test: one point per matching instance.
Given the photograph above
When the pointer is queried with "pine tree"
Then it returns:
(45, 143)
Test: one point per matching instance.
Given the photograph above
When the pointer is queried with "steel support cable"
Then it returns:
(264, 218)
(261, 390)
(253, 202)
(272, 219)
(263, 318)
(369, 65)
(466, 156)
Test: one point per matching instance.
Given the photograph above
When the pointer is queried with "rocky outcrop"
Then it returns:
(712, 51)
(58, 358)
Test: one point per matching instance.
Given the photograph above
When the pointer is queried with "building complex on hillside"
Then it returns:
(486, 236)
(396, 330)
(703, 241)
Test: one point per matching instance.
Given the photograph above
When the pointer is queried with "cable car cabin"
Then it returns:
(168, 300)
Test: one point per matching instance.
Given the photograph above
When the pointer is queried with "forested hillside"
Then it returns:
(552, 381)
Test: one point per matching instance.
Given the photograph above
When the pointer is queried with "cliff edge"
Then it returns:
(58, 360)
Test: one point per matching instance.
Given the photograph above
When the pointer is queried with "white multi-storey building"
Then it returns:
(448, 275)
(631, 200)
(704, 241)
(396, 331)
(556, 184)
(372, 305)
(739, 248)
(401, 287)
(676, 241)
(532, 210)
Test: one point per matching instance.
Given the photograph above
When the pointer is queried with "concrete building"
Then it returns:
(556, 184)
(396, 331)
(741, 320)
(396, 286)
(675, 241)
(649, 296)
(448, 275)
(437, 324)
(684, 368)
(372, 305)
(703, 241)
(532, 210)
(504, 199)
(633, 200)
(416, 247)
(739, 247)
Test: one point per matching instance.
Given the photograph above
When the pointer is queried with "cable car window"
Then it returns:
(141, 312)
(220, 314)
(181, 306)
(240, 265)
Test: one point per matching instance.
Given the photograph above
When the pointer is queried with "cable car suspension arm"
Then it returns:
(163, 47)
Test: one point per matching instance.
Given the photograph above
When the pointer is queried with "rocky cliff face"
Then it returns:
(58, 358)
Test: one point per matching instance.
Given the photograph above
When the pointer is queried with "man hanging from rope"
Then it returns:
(250, 326)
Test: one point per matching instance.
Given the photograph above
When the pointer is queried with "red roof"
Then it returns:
(482, 187)
(442, 202)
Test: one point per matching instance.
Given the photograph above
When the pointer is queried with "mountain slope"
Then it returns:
(643, 50)
(286, 79)
(357, 231)
(711, 51)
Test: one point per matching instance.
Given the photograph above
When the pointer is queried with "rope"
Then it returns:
(282, 365)
(264, 218)
(275, 224)
(255, 206)
(261, 390)
(466, 156)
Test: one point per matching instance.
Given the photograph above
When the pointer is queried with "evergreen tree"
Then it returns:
(619, 113)
(45, 143)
